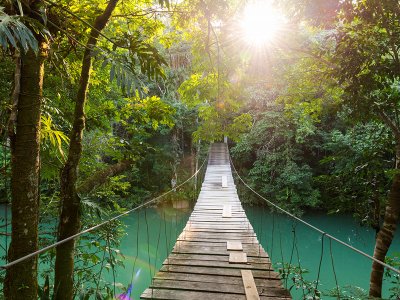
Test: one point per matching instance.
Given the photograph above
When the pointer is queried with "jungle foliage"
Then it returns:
(116, 99)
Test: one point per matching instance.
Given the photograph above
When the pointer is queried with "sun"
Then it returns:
(261, 23)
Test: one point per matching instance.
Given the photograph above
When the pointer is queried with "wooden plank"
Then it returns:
(219, 225)
(188, 249)
(215, 219)
(237, 258)
(249, 285)
(221, 244)
(167, 294)
(224, 181)
(214, 209)
(213, 264)
(216, 237)
(215, 278)
(264, 274)
(217, 214)
(185, 295)
(212, 257)
(226, 288)
(234, 245)
(220, 235)
(215, 230)
(193, 238)
(227, 211)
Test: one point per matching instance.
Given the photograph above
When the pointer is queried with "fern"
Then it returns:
(140, 58)
(48, 132)
(14, 33)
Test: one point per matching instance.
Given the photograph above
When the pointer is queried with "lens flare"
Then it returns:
(261, 23)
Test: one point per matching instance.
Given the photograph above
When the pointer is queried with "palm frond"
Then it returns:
(15, 33)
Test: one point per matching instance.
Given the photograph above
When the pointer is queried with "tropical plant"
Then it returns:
(14, 33)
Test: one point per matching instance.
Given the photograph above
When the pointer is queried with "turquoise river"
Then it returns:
(151, 233)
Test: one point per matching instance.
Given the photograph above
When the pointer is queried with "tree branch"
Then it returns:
(101, 177)
(395, 129)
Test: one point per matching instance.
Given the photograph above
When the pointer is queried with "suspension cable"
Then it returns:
(312, 226)
(320, 265)
(298, 263)
(7, 266)
(333, 269)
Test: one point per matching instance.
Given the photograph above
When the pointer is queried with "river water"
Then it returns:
(351, 268)
(152, 232)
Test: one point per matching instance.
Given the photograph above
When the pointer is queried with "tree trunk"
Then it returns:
(386, 233)
(69, 223)
(21, 279)
(376, 209)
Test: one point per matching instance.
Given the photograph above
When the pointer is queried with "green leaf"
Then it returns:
(15, 33)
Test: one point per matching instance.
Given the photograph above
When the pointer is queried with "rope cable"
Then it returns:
(170, 232)
(281, 250)
(6, 266)
(148, 244)
(137, 246)
(282, 259)
(261, 230)
(158, 243)
(300, 269)
(313, 227)
(272, 243)
(176, 225)
(291, 255)
(272, 236)
(111, 257)
(334, 271)
(166, 239)
(148, 250)
(320, 264)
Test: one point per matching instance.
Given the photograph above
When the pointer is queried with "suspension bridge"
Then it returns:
(217, 255)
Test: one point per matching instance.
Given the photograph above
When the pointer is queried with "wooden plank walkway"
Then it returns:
(217, 256)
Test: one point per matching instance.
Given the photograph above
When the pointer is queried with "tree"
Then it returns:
(277, 165)
(210, 88)
(219, 111)
(70, 220)
(24, 134)
(368, 66)
(359, 45)
(70, 203)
